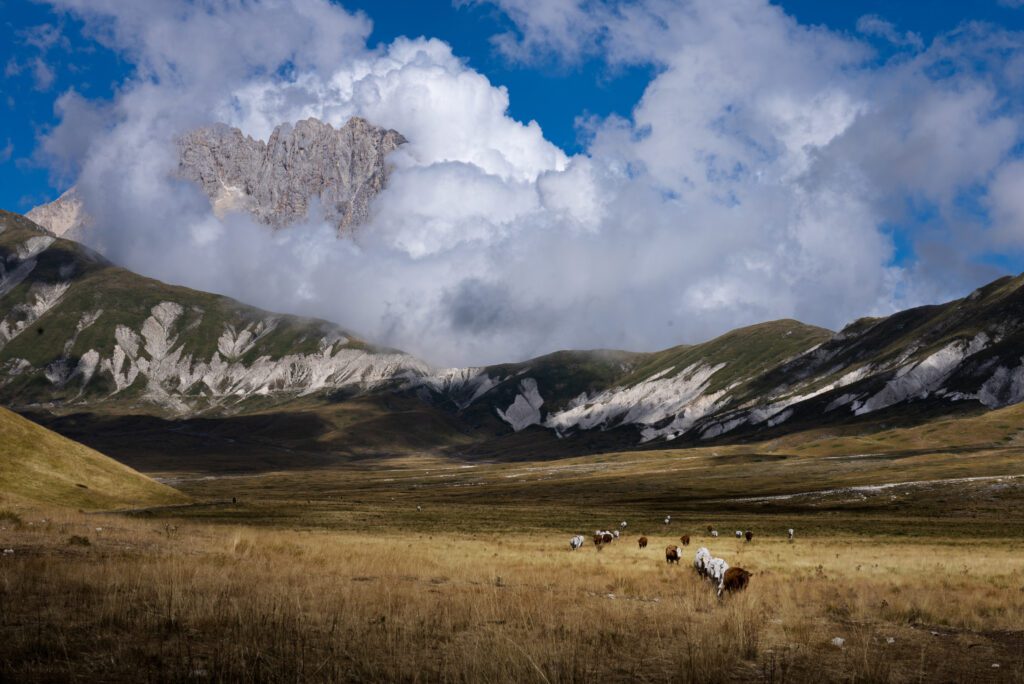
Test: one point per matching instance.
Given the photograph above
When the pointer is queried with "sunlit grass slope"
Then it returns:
(39, 465)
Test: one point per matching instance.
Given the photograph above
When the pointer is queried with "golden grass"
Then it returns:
(423, 568)
(40, 465)
(207, 602)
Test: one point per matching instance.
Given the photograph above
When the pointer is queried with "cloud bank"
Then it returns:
(765, 173)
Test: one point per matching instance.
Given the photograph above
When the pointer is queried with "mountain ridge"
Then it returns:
(80, 334)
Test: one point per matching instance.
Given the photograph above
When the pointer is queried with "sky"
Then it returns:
(580, 173)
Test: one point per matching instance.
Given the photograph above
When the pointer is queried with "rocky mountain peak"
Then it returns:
(342, 168)
(311, 161)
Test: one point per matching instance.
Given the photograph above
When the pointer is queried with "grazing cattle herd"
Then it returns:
(724, 579)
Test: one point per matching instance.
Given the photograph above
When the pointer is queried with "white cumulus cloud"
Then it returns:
(754, 180)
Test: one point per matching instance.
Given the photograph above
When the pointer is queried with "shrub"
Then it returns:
(9, 516)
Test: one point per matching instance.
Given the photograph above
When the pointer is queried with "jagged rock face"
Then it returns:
(341, 169)
(276, 181)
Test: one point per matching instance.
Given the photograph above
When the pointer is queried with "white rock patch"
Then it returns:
(923, 378)
(525, 410)
(645, 403)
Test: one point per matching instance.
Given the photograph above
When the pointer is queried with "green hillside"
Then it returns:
(66, 303)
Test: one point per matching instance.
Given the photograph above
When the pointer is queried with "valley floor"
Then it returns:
(423, 568)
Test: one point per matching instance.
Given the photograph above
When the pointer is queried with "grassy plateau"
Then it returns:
(909, 548)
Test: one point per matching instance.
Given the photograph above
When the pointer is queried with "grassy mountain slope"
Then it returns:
(746, 352)
(40, 465)
(962, 356)
(121, 356)
(75, 329)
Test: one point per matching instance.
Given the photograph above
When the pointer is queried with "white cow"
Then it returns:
(668, 519)
(700, 561)
(739, 534)
(615, 533)
(790, 533)
(576, 542)
(710, 567)
(714, 533)
(622, 524)
(716, 573)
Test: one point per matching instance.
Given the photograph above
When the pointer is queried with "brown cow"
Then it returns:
(710, 528)
(749, 535)
(607, 537)
(685, 539)
(673, 554)
(598, 540)
(642, 542)
(736, 579)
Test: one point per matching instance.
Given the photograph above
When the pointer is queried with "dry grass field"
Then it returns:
(909, 547)
(142, 601)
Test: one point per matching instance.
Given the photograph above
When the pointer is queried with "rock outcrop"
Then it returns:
(339, 170)
(64, 216)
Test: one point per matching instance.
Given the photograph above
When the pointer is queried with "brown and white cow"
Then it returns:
(642, 542)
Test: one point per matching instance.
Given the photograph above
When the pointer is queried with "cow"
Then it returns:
(576, 542)
(685, 539)
(790, 533)
(598, 540)
(673, 554)
(749, 535)
(711, 568)
(739, 534)
(700, 561)
(642, 542)
(716, 569)
(622, 524)
(714, 533)
(615, 533)
(735, 579)
(607, 537)
(710, 528)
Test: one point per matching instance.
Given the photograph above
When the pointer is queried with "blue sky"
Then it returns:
(553, 94)
(698, 165)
